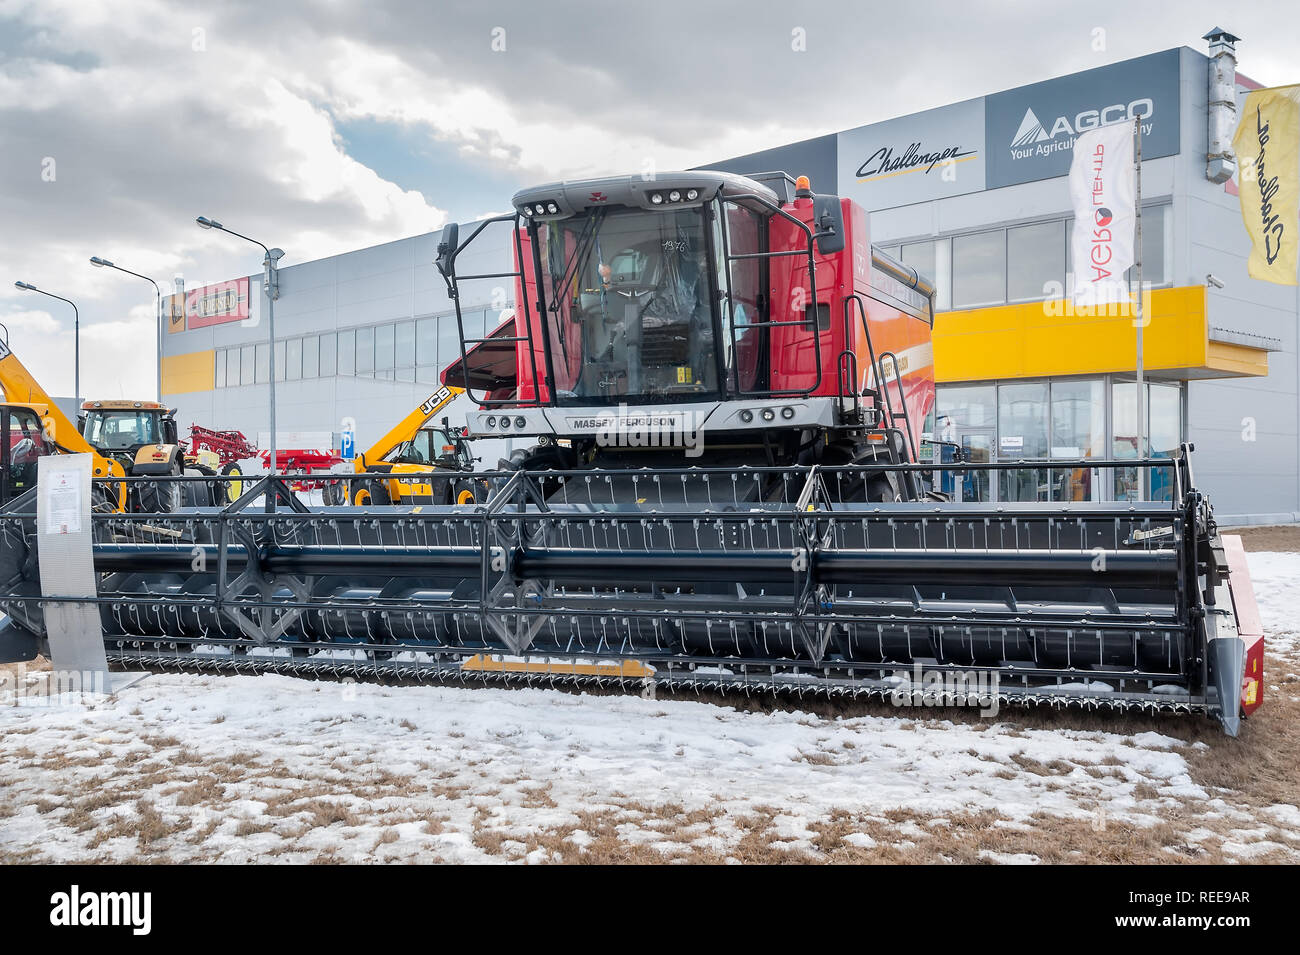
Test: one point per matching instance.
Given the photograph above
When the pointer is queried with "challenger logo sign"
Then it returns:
(1267, 143)
(885, 162)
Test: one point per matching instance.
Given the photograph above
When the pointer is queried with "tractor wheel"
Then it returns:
(160, 497)
(234, 488)
(195, 493)
(369, 493)
(465, 496)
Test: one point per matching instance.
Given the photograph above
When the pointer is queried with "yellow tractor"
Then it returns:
(123, 437)
(414, 463)
(32, 426)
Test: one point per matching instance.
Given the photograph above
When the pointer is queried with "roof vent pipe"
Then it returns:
(1221, 112)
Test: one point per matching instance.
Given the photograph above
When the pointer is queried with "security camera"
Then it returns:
(1212, 279)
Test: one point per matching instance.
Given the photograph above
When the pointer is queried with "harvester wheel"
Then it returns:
(370, 492)
(161, 497)
(465, 496)
(879, 488)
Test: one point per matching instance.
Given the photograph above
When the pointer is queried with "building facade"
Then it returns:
(974, 195)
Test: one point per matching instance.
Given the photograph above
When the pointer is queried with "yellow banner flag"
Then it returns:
(1267, 144)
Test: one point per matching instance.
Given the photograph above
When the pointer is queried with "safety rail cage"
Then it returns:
(467, 344)
(804, 322)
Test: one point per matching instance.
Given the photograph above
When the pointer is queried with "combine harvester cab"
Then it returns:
(720, 386)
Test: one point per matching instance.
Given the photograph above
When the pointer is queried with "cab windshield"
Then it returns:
(432, 446)
(113, 430)
(629, 306)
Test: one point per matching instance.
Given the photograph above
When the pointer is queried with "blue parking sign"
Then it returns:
(348, 445)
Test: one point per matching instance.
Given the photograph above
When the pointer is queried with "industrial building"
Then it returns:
(972, 194)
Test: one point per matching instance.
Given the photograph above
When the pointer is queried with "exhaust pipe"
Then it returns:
(1221, 111)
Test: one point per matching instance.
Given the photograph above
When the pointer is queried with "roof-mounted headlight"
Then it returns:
(656, 198)
(552, 208)
(692, 195)
(675, 196)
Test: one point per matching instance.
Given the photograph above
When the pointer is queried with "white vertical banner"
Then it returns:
(1102, 188)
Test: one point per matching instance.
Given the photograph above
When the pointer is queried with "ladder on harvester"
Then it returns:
(902, 440)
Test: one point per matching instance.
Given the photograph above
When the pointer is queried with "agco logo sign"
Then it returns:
(1035, 138)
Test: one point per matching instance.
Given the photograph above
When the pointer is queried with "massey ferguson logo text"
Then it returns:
(1033, 138)
(629, 429)
(883, 161)
(131, 909)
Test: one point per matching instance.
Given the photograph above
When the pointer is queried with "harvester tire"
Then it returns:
(160, 497)
(370, 493)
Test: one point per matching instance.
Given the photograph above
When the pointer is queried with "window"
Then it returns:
(966, 416)
(1125, 439)
(311, 356)
(1078, 431)
(964, 406)
(742, 341)
(933, 260)
(293, 359)
(220, 377)
(1035, 257)
(232, 367)
(365, 351)
(979, 269)
(348, 352)
(280, 363)
(1022, 434)
(405, 345)
(449, 338)
(329, 344)
(263, 364)
(1157, 245)
(247, 364)
(426, 341)
(1165, 413)
(384, 336)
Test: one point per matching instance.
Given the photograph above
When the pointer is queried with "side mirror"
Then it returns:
(447, 246)
(828, 223)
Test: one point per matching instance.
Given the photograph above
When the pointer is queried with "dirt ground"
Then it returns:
(1278, 539)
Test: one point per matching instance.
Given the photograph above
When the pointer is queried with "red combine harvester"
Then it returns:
(719, 388)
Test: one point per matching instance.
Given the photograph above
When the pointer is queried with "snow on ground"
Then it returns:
(240, 768)
(1277, 587)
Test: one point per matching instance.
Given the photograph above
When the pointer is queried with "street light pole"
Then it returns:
(271, 285)
(99, 263)
(76, 339)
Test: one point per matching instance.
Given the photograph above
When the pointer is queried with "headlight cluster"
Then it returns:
(674, 195)
(504, 422)
(767, 414)
(545, 208)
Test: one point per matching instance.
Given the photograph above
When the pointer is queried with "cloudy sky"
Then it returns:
(327, 126)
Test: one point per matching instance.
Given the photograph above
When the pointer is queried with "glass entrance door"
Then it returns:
(976, 448)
